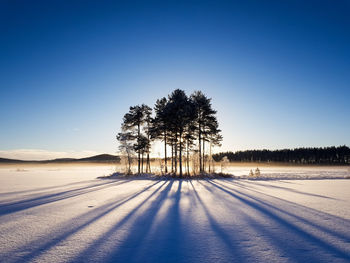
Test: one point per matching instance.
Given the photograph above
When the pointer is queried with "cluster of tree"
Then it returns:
(185, 124)
(327, 155)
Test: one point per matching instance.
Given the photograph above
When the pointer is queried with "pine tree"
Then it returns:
(147, 112)
(181, 113)
(179, 120)
(205, 121)
(131, 121)
(159, 128)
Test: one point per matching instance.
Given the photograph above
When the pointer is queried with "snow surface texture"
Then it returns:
(65, 215)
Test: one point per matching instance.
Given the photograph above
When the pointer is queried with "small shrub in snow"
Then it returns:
(257, 172)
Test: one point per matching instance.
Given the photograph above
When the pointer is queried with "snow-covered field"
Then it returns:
(64, 214)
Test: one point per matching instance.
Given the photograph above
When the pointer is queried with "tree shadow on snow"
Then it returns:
(41, 189)
(269, 185)
(39, 246)
(296, 236)
(42, 199)
(127, 250)
(160, 233)
(180, 221)
(294, 210)
(157, 230)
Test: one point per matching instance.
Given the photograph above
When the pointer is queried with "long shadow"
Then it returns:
(289, 227)
(292, 190)
(84, 221)
(136, 233)
(335, 219)
(253, 189)
(278, 241)
(172, 235)
(40, 189)
(12, 207)
(219, 231)
(165, 239)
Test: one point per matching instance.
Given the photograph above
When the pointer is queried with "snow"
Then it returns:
(290, 172)
(64, 214)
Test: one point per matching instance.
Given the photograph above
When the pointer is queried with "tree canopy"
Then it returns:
(182, 122)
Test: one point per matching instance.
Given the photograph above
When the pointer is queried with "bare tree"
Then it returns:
(126, 146)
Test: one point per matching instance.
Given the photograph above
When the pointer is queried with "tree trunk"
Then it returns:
(188, 158)
(180, 155)
(210, 158)
(142, 163)
(148, 167)
(129, 162)
(200, 148)
(139, 151)
(165, 157)
(172, 157)
(175, 155)
(203, 163)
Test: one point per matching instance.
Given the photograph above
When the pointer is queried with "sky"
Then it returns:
(277, 71)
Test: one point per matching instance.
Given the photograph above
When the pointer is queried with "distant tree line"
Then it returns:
(185, 124)
(326, 155)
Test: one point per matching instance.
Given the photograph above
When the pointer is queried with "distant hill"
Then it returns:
(101, 158)
(5, 160)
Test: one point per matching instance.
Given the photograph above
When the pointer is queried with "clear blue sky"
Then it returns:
(278, 71)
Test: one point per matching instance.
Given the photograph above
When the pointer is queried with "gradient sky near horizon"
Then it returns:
(278, 72)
